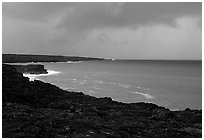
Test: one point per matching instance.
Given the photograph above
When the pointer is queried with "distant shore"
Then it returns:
(23, 58)
(36, 109)
(26, 58)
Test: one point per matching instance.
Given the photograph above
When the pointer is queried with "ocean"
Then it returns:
(173, 84)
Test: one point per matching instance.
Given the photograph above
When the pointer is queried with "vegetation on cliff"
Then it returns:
(38, 109)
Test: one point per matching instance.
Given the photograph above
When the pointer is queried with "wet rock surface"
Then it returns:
(37, 109)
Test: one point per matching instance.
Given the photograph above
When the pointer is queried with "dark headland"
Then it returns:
(31, 69)
(36, 109)
(22, 58)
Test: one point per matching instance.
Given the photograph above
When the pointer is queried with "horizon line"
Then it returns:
(130, 59)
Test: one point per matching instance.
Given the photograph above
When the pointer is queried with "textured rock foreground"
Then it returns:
(38, 109)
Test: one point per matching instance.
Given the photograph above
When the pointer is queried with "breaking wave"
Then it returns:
(73, 62)
(33, 77)
(117, 84)
(147, 96)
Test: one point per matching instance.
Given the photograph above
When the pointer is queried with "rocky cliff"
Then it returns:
(37, 109)
(31, 68)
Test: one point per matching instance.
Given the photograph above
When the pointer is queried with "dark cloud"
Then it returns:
(34, 11)
(95, 15)
(90, 15)
(77, 28)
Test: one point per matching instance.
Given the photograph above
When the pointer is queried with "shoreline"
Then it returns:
(37, 109)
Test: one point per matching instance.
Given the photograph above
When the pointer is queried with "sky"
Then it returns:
(110, 30)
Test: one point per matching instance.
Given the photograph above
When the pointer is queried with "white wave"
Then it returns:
(33, 77)
(68, 88)
(121, 85)
(117, 84)
(73, 62)
(147, 96)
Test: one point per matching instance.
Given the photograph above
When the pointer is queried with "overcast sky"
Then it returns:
(110, 30)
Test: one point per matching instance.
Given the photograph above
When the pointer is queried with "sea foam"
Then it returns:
(33, 77)
(147, 96)
(73, 62)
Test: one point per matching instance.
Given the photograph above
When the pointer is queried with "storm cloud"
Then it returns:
(111, 30)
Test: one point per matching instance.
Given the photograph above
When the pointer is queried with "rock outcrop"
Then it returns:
(36, 109)
(31, 68)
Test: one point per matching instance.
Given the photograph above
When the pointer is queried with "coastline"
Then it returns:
(38, 109)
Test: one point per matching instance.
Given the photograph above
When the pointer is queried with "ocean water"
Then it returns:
(173, 84)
